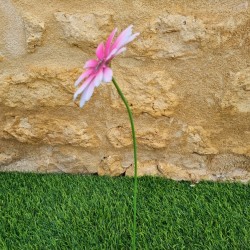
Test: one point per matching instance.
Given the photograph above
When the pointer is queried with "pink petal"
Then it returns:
(90, 64)
(83, 86)
(109, 41)
(87, 94)
(122, 38)
(100, 51)
(98, 79)
(120, 51)
(107, 74)
(83, 76)
(111, 54)
(131, 38)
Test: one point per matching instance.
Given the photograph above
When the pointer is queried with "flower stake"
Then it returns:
(97, 71)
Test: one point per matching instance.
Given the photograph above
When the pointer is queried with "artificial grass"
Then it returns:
(59, 211)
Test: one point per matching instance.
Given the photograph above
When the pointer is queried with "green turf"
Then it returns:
(90, 212)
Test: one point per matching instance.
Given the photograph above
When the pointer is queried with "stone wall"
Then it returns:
(186, 77)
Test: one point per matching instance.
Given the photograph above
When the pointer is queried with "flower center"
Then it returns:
(99, 65)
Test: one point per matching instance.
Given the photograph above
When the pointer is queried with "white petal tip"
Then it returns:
(75, 96)
(82, 102)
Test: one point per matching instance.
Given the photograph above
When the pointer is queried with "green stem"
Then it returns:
(135, 159)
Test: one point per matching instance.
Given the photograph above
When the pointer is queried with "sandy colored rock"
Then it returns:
(184, 167)
(121, 136)
(237, 97)
(186, 79)
(49, 159)
(198, 141)
(229, 162)
(7, 157)
(77, 26)
(69, 160)
(1, 57)
(173, 36)
(39, 129)
(12, 31)
(34, 31)
(228, 32)
(148, 167)
(172, 171)
(37, 88)
(149, 92)
(111, 165)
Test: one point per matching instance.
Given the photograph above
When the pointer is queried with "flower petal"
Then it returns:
(83, 86)
(111, 54)
(98, 79)
(131, 38)
(107, 74)
(83, 76)
(100, 51)
(90, 64)
(109, 41)
(87, 94)
(122, 38)
(120, 51)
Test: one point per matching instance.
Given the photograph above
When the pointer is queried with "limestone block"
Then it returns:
(228, 162)
(1, 57)
(23, 165)
(227, 32)
(172, 171)
(111, 165)
(30, 160)
(150, 92)
(12, 34)
(198, 141)
(242, 150)
(151, 137)
(237, 96)
(47, 159)
(237, 175)
(146, 167)
(231, 167)
(185, 167)
(172, 36)
(38, 129)
(68, 159)
(34, 31)
(7, 157)
(82, 29)
(38, 87)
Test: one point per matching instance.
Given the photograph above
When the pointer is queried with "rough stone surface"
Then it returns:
(111, 165)
(1, 57)
(38, 129)
(34, 31)
(237, 97)
(81, 29)
(37, 87)
(148, 93)
(120, 137)
(12, 31)
(186, 79)
(173, 36)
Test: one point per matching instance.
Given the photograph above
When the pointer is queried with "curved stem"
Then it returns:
(135, 159)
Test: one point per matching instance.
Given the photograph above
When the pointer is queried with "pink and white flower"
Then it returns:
(98, 70)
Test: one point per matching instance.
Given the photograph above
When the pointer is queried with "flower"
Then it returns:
(98, 70)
